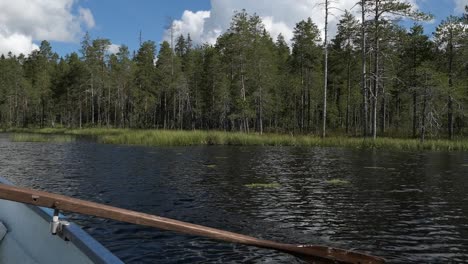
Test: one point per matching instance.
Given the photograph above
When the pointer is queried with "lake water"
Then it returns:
(408, 207)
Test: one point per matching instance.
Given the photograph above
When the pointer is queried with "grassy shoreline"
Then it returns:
(28, 137)
(197, 137)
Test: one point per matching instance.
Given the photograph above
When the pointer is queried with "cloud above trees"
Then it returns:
(460, 6)
(279, 16)
(26, 22)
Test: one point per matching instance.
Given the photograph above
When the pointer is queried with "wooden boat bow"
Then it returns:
(308, 253)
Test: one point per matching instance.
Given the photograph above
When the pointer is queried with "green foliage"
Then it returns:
(305, 48)
(199, 137)
(248, 82)
(41, 138)
(263, 185)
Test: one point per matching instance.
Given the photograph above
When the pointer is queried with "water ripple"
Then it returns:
(407, 207)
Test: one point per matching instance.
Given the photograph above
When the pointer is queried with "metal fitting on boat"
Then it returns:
(3, 231)
(56, 226)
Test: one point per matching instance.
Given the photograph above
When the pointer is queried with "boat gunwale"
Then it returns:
(87, 244)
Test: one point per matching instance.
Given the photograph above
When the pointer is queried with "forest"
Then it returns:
(373, 78)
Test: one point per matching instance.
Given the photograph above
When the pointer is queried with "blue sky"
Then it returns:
(122, 20)
(63, 22)
(440, 9)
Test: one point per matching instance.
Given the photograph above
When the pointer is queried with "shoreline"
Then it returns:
(200, 137)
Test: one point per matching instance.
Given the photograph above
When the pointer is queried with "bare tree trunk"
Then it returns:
(92, 101)
(383, 108)
(122, 107)
(450, 98)
(324, 124)
(165, 111)
(261, 112)
(260, 103)
(244, 118)
(81, 112)
(376, 72)
(423, 116)
(295, 115)
(415, 113)
(42, 112)
(364, 74)
(348, 81)
(99, 110)
(450, 116)
(10, 108)
(309, 101)
(179, 112)
(108, 105)
(69, 114)
(303, 108)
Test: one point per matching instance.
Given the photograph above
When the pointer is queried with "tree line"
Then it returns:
(372, 78)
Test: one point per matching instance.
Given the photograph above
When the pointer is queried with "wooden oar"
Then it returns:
(309, 253)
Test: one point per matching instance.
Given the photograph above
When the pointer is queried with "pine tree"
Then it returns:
(215, 100)
(343, 47)
(282, 98)
(305, 59)
(123, 70)
(380, 9)
(39, 68)
(448, 37)
(145, 83)
(417, 49)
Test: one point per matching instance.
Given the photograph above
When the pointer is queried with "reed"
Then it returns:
(262, 185)
(23, 137)
(198, 137)
(338, 182)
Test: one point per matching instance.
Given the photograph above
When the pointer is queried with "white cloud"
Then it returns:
(24, 21)
(276, 28)
(431, 22)
(192, 23)
(87, 17)
(460, 6)
(16, 43)
(113, 48)
(279, 16)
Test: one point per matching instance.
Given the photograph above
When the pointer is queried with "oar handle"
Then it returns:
(65, 203)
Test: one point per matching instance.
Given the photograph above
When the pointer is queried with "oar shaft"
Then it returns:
(69, 204)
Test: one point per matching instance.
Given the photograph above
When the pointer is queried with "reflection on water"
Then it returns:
(407, 207)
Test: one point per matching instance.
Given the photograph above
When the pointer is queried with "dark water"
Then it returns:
(407, 207)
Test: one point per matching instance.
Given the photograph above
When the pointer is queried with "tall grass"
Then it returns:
(23, 137)
(198, 137)
(188, 138)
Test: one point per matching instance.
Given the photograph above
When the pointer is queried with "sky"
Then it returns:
(25, 23)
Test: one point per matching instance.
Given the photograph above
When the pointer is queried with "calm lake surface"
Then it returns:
(405, 206)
